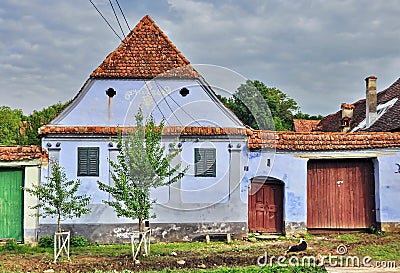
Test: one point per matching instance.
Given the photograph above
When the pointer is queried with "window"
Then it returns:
(88, 161)
(205, 162)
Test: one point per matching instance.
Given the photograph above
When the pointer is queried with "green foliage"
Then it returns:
(11, 245)
(142, 164)
(250, 107)
(36, 120)
(18, 129)
(57, 196)
(301, 115)
(9, 125)
(252, 100)
(79, 241)
(374, 229)
(46, 241)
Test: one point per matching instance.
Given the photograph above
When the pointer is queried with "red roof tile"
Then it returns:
(318, 141)
(305, 125)
(290, 141)
(167, 130)
(18, 153)
(145, 53)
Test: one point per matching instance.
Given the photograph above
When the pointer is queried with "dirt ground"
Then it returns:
(239, 253)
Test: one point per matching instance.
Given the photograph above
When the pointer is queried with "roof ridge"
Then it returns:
(146, 52)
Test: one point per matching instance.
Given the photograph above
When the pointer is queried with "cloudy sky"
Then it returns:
(318, 52)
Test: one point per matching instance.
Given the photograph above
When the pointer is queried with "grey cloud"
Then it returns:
(318, 52)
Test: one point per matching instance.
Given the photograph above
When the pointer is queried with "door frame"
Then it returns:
(265, 181)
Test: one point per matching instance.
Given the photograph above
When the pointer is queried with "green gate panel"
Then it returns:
(11, 202)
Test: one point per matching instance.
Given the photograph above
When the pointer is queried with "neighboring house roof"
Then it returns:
(388, 106)
(145, 53)
(18, 153)
(318, 141)
(305, 125)
(113, 130)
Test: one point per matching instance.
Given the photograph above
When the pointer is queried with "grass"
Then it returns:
(384, 247)
(350, 238)
(252, 269)
(388, 252)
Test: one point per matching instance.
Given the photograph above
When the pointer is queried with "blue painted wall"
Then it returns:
(290, 170)
(388, 186)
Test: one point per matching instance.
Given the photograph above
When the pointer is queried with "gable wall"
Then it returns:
(92, 107)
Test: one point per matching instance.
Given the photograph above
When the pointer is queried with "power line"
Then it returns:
(172, 98)
(123, 15)
(116, 17)
(105, 20)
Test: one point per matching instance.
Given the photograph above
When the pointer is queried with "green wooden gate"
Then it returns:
(11, 202)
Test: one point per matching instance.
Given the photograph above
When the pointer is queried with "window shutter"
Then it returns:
(205, 162)
(88, 161)
(93, 162)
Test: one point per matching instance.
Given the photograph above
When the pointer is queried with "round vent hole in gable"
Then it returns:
(184, 92)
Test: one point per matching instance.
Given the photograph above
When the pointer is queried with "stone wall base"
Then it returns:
(295, 228)
(392, 227)
(120, 233)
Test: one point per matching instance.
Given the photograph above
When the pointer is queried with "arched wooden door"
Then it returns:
(266, 205)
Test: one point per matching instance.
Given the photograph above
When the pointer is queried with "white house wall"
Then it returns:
(31, 222)
(188, 208)
(291, 168)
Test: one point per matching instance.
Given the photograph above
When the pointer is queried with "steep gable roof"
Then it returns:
(388, 121)
(145, 53)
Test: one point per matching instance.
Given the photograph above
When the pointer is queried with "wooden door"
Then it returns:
(340, 194)
(266, 206)
(11, 203)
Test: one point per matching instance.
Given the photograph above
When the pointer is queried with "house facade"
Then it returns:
(19, 167)
(324, 181)
(238, 179)
(148, 72)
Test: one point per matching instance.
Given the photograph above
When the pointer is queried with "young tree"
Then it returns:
(142, 164)
(57, 197)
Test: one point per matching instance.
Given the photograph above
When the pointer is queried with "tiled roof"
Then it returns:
(305, 125)
(18, 153)
(113, 130)
(389, 121)
(291, 141)
(318, 141)
(145, 53)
